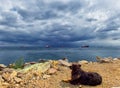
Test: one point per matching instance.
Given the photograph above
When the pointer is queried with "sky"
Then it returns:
(60, 23)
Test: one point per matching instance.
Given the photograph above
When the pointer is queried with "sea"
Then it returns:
(11, 54)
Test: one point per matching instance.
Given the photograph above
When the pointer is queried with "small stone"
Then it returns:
(17, 80)
(9, 70)
(90, 62)
(42, 60)
(65, 59)
(13, 74)
(26, 64)
(1, 79)
(52, 71)
(5, 84)
(16, 85)
(46, 76)
(64, 63)
(20, 74)
(32, 63)
(80, 86)
(6, 76)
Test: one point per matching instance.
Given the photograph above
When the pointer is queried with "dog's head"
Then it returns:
(75, 66)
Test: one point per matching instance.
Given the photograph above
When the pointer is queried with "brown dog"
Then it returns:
(78, 76)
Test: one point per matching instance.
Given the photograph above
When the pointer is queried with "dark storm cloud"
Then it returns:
(59, 22)
(41, 14)
(71, 6)
(10, 19)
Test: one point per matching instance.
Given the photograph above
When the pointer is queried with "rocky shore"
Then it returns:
(55, 73)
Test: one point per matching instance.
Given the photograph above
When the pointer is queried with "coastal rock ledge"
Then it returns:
(55, 74)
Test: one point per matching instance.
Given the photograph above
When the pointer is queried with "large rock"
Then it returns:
(2, 66)
(38, 67)
(54, 64)
(104, 60)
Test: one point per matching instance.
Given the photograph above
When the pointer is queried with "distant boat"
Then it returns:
(85, 46)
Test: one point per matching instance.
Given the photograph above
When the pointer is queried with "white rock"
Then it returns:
(83, 62)
(64, 63)
(115, 59)
(38, 67)
(2, 65)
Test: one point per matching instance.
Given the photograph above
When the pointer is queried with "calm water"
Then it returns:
(9, 55)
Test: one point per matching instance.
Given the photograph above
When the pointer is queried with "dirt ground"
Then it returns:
(110, 73)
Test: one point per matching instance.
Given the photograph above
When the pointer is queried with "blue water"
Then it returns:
(9, 55)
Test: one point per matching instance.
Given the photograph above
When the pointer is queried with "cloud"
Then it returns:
(59, 22)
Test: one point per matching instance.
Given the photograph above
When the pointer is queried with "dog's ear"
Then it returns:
(79, 65)
(70, 67)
